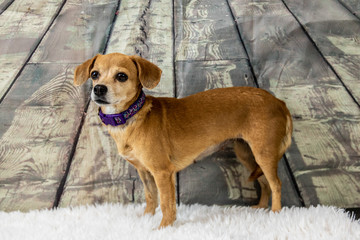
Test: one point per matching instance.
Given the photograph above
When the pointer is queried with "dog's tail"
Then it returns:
(287, 138)
(255, 174)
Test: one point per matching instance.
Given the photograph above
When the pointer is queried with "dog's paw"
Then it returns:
(149, 210)
(257, 206)
(165, 222)
(276, 209)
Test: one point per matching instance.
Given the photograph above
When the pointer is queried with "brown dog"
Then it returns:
(161, 136)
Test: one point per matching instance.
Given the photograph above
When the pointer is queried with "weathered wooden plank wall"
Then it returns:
(326, 118)
(209, 53)
(33, 162)
(98, 174)
(336, 33)
(23, 25)
(46, 136)
(79, 32)
(46, 110)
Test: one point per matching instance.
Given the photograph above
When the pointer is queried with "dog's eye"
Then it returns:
(95, 75)
(121, 77)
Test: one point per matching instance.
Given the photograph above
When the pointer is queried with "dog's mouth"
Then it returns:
(101, 102)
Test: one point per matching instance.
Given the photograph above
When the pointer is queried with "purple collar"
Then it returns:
(120, 118)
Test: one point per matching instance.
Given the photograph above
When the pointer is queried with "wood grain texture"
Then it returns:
(98, 173)
(345, 185)
(326, 117)
(352, 5)
(144, 28)
(325, 143)
(193, 77)
(37, 135)
(335, 32)
(206, 31)
(54, 119)
(77, 34)
(22, 26)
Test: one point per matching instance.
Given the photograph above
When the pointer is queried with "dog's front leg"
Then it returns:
(165, 181)
(151, 193)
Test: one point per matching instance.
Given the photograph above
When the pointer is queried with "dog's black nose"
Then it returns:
(100, 90)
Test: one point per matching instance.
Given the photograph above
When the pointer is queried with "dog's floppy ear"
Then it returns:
(149, 74)
(82, 72)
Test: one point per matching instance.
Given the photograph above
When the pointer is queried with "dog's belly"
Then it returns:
(212, 149)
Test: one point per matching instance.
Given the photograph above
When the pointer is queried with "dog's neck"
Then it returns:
(121, 106)
(111, 115)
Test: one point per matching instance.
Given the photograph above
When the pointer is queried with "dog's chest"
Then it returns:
(126, 152)
(123, 142)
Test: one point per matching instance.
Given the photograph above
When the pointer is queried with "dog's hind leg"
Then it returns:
(151, 193)
(246, 157)
(268, 158)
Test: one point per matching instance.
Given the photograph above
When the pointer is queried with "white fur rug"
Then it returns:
(193, 222)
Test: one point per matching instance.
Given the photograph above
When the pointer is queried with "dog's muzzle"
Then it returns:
(99, 93)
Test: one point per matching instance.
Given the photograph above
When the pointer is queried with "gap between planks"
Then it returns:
(60, 189)
(325, 76)
(321, 54)
(175, 91)
(243, 44)
(33, 51)
(348, 8)
(6, 5)
(112, 26)
(287, 166)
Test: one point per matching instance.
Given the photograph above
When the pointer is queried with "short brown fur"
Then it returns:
(168, 134)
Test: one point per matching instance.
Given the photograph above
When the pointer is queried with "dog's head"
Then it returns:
(117, 77)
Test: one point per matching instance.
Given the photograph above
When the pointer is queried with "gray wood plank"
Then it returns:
(37, 135)
(98, 173)
(326, 118)
(345, 185)
(205, 31)
(352, 5)
(193, 77)
(22, 26)
(77, 34)
(43, 117)
(333, 29)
